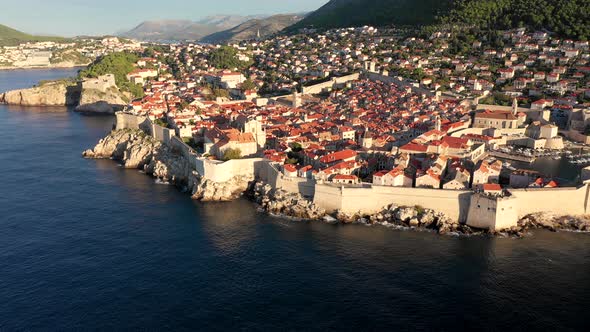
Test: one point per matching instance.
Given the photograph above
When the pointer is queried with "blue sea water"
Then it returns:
(87, 245)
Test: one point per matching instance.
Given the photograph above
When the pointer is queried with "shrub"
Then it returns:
(230, 154)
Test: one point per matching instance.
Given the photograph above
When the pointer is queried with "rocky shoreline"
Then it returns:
(61, 65)
(137, 150)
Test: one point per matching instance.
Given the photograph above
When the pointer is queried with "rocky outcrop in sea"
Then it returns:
(65, 93)
(49, 94)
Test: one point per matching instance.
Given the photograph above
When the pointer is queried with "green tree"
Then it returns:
(225, 57)
(248, 85)
(296, 147)
(220, 93)
(119, 64)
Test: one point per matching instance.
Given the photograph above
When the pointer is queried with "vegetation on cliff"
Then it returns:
(119, 64)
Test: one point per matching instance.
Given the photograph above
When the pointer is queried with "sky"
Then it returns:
(99, 17)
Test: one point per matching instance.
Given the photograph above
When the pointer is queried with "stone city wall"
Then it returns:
(219, 171)
(492, 212)
(461, 205)
(162, 134)
(130, 121)
(318, 88)
(400, 82)
(371, 199)
(268, 173)
(565, 201)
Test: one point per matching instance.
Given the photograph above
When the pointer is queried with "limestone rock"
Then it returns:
(99, 107)
(50, 94)
(98, 102)
(207, 190)
(284, 203)
(405, 214)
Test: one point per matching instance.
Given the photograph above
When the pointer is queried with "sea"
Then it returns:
(88, 245)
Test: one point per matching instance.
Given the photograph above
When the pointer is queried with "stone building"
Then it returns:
(101, 83)
(495, 119)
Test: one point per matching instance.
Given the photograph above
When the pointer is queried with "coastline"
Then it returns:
(67, 93)
(136, 149)
(69, 66)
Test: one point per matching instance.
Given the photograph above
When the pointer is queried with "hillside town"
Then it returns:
(67, 53)
(354, 106)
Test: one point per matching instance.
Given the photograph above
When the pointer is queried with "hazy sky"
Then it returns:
(94, 17)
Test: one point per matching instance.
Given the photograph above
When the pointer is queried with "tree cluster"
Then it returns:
(225, 57)
(119, 64)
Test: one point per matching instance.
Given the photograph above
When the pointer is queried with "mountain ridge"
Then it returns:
(566, 18)
(346, 13)
(249, 29)
(157, 30)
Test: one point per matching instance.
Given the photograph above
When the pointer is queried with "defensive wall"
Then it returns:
(368, 199)
(318, 88)
(567, 200)
(400, 82)
(475, 209)
(131, 121)
(214, 170)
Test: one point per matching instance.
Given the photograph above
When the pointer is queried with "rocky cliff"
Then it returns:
(60, 93)
(281, 202)
(96, 101)
(135, 149)
(49, 94)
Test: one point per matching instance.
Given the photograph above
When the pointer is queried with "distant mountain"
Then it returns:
(250, 29)
(10, 36)
(346, 13)
(184, 29)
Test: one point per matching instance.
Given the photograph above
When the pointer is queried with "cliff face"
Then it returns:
(51, 94)
(61, 94)
(135, 149)
(96, 101)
